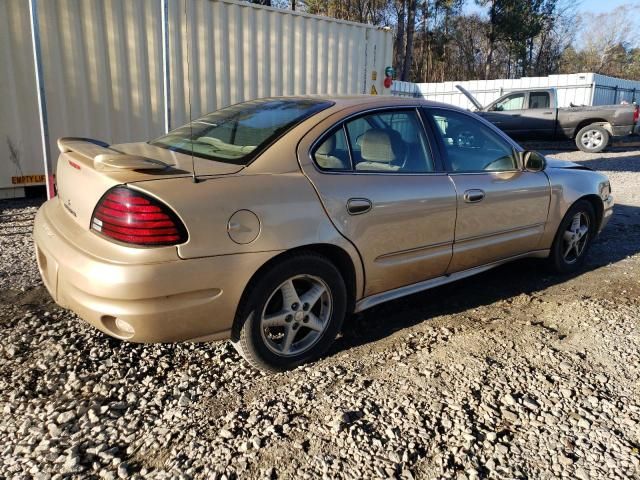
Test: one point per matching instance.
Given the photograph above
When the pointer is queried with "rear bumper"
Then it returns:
(164, 301)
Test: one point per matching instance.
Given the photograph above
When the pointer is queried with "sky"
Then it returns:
(601, 6)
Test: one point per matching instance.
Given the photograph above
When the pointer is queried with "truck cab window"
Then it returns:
(512, 102)
(539, 100)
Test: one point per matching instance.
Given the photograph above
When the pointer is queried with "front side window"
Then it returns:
(539, 100)
(512, 102)
(238, 133)
(471, 146)
(390, 141)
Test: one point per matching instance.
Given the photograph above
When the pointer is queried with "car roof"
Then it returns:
(367, 101)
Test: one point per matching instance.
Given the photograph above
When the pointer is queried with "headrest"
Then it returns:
(328, 146)
(383, 146)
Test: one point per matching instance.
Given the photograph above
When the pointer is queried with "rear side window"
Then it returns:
(471, 146)
(539, 100)
(390, 141)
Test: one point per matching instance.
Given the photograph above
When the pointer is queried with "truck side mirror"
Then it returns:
(534, 161)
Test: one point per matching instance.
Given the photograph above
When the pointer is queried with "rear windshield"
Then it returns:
(238, 133)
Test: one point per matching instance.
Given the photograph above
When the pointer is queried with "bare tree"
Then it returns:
(492, 36)
(603, 34)
(399, 46)
(411, 27)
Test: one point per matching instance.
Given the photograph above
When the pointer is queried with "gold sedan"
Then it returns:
(270, 221)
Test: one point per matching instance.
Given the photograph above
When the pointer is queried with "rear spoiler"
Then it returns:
(105, 158)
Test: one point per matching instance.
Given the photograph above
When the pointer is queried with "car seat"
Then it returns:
(325, 158)
(380, 149)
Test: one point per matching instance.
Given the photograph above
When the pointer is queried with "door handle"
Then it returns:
(358, 206)
(547, 113)
(473, 196)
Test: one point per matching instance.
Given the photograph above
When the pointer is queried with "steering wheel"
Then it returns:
(466, 138)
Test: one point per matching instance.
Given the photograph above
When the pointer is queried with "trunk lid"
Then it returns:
(88, 168)
(471, 98)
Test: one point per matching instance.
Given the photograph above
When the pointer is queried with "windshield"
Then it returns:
(238, 133)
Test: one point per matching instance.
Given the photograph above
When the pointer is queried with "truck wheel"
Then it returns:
(592, 138)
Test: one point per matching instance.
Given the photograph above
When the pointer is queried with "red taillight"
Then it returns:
(636, 114)
(132, 217)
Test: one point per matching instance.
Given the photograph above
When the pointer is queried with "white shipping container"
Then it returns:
(104, 74)
(576, 89)
(20, 145)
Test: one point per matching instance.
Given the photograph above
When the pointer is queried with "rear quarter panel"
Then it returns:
(286, 205)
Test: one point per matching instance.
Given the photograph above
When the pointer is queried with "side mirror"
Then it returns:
(534, 161)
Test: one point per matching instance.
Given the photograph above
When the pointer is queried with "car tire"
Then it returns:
(573, 238)
(291, 313)
(592, 138)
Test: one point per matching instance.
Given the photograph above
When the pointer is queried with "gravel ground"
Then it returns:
(511, 374)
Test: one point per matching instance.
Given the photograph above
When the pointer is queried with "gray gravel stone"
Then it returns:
(65, 417)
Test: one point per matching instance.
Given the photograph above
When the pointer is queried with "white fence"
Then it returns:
(576, 89)
(118, 70)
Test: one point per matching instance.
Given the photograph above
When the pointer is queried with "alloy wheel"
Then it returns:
(575, 238)
(296, 315)
(592, 139)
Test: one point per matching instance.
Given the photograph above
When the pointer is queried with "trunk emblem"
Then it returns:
(67, 205)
